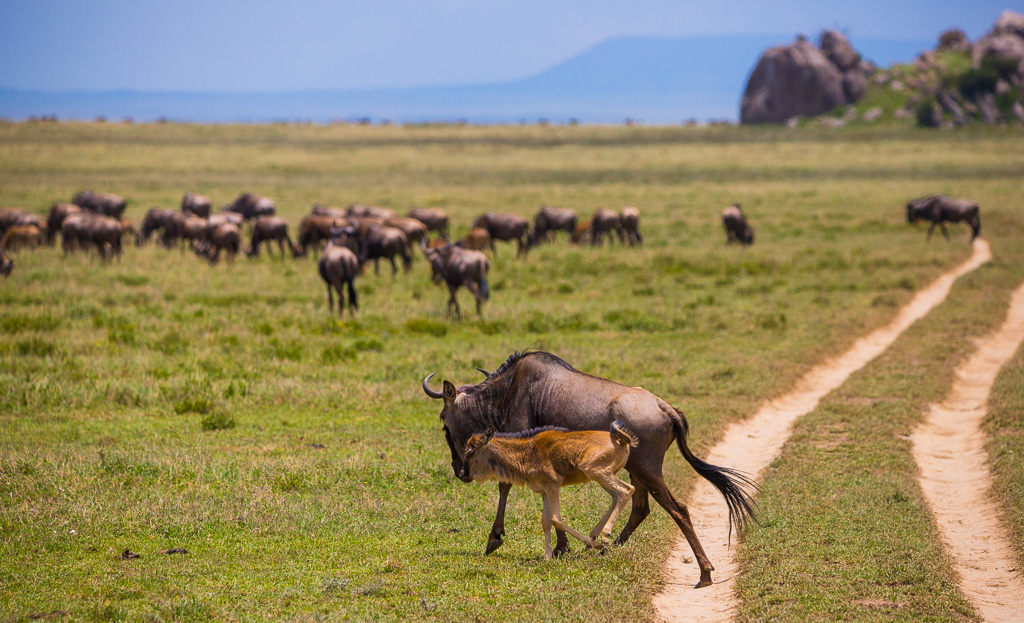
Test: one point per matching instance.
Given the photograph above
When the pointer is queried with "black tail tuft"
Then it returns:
(736, 487)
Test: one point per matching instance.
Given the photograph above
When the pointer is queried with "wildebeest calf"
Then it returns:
(549, 458)
(736, 227)
(939, 208)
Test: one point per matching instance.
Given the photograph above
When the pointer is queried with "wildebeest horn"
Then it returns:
(484, 372)
(426, 387)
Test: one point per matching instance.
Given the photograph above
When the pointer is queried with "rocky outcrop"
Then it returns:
(955, 40)
(1009, 23)
(801, 80)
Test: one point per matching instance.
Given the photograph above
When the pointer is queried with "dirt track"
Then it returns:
(949, 447)
(751, 445)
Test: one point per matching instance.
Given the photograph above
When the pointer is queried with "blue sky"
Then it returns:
(258, 45)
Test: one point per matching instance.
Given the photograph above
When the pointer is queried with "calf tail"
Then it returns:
(736, 487)
(622, 436)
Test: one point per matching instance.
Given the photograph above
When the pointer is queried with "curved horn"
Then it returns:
(484, 372)
(426, 387)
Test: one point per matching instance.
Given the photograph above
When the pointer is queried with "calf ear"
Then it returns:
(488, 434)
(449, 392)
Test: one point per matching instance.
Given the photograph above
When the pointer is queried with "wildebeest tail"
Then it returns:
(351, 294)
(735, 486)
(622, 436)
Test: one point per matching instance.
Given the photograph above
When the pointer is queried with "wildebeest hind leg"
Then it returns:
(681, 516)
(944, 232)
(640, 510)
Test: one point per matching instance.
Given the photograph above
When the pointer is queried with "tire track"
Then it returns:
(750, 446)
(949, 447)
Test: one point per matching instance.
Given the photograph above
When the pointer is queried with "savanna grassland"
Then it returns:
(160, 402)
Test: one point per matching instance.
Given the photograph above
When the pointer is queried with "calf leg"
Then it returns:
(620, 493)
(545, 521)
(556, 519)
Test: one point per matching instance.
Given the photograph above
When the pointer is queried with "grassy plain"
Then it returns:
(162, 402)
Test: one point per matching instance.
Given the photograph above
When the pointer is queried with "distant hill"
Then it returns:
(649, 79)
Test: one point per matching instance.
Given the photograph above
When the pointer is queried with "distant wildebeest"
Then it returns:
(604, 222)
(459, 267)
(251, 206)
(91, 229)
(268, 229)
(223, 237)
(413, 229)
(58, 212)
(18, 217)
(156, 220)
(629, 219)
(108, 204)
(581, 234)
(198, 205)
(940, 209)
(338, 266)
(435, 219)
(358, 209)
(736, 227)
(476, 239)
(549, 458)
(380, 241)
(506, 227)
(21, 236)
(315, 229)
(322, 210)
(539, 389)
(548, 220)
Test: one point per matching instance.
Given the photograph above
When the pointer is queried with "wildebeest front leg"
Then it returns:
(945, 233)
(930, 230)
(494, 540)
(453, 301)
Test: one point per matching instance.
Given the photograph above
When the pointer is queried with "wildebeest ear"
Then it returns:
(449, 392)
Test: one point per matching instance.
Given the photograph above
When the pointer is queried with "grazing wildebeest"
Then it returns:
(539, 389)
(476, 239)
(17, 217)
(604, 221)
(505, 227)
(548, 220)
(108, 204)
(380, 241)
(156, 219)
(629, 219)
(224, 237)
(581, 233)
(358, 209)
(21, 236)
(460, 267)
(316, 228)
(198, 205)
(268, 229)
(413, 229)
(549, 458)
(85, 229)
(58, 212)
(736, 227)
(434, 218)
(940, 209)
(250, 206)
(338, 266)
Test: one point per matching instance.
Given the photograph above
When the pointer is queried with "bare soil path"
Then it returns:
(949, 447)
(751, 445)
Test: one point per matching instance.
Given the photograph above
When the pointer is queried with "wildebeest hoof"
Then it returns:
(559, 552)
(492, 545)
(705, 579)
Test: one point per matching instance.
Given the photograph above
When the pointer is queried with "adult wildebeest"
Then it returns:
(604, 222)
(198, 205)
(268, 229)
(322, 210)
(338, 266)
(224, 237)
(18, 217)
(358, 209)
(316, 228)
(548, 220)
(156, 219)
(629, 219)
(85, 229)
(380, 241)
(460, 267)
(549, 458)
(250, 206)
(505, 227)
(108, 204)
(736, 227)
(413, 229)
(539, 389)
(939, 209)
(434, 218)
(58, 212)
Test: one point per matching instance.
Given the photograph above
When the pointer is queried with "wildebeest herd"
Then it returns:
(95, 221)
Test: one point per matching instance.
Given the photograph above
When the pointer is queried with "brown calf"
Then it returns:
(549, 458)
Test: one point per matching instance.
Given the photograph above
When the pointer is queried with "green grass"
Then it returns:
(162, 402)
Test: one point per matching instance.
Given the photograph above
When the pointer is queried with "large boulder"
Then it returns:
(789, 81)
(837, 49)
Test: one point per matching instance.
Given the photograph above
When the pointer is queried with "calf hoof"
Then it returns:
(493, 544)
